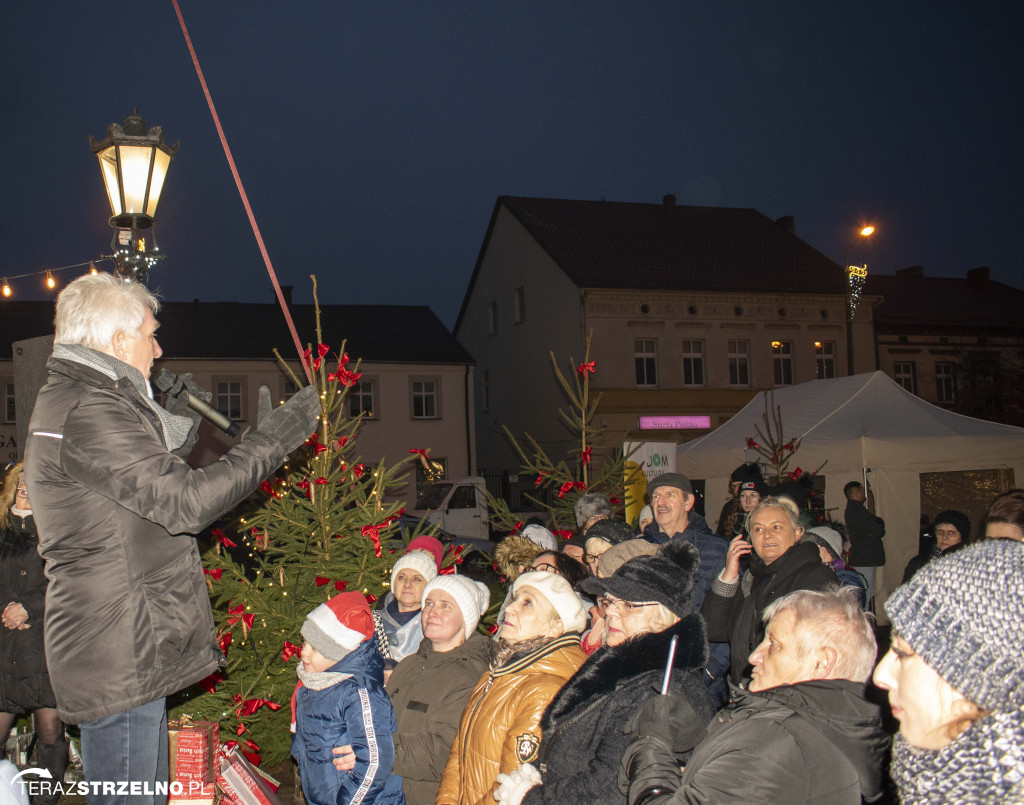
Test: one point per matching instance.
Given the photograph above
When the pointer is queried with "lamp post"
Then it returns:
(134, 160)
(848, 274)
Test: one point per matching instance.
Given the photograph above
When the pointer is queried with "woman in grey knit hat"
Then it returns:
(955, 676)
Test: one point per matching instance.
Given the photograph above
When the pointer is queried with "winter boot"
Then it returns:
(53, 757)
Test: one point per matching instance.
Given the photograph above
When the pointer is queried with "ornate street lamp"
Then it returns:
(854, 277)
(134, 161)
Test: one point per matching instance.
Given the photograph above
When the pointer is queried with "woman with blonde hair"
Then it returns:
(955, 676)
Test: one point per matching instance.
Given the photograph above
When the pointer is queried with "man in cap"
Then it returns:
(672, 500)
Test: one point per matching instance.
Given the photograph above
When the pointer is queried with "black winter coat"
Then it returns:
(738, 619)
(814, 742)
(865, 531)
(582, 727)
(24, 681)
(128, 617)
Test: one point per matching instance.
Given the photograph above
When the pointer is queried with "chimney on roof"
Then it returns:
(978, 278)
(286, 292)
(788, 224)
(911, 272)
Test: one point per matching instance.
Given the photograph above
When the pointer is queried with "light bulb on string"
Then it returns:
(51, 283)
(6, 288)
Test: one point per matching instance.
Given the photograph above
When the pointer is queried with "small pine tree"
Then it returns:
(322, 526)
(770, 443)
(580, 472)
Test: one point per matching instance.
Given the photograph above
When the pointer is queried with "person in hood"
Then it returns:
(340, 700)
(802, 733)
(955, 677)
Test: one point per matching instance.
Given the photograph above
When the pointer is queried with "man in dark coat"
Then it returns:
(803, 733)
(672, 502)
(865, 532)
(128, 618)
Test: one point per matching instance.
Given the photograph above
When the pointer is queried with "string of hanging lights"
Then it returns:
(50, 281)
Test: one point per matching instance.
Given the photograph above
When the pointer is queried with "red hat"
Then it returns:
(338, 626)
(431, 545)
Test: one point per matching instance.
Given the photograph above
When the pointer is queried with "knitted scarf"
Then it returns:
(175, 429)
(985, 764)
(315, 680)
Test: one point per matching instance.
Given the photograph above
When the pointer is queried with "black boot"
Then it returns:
(53, 757)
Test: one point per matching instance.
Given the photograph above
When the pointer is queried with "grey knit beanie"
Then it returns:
(964, 614)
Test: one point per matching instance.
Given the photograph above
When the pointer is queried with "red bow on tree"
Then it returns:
(304, 486)
(447, 571)
(373, 532)
(321, 481)
(236, 612)
(289, 651)
(564, 534)
(216, 573)
(210, 683)
(540, 478)
(515, 530)
(340, 585)
(266, 487)
(585, 456)
(223, 539)
(569, 486)
(796, 474)
(250, 706)
(314, 442)
(587, 368)
(345, 376)
(225, 641)
(421, 451)
(249, 749)
(321, 581)
(358, 470)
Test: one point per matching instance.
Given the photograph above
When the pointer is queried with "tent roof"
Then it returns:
(860, 421)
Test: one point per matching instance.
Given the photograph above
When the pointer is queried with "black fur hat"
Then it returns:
(667, 577)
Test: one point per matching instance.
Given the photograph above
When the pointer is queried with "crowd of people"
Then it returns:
(648, 663)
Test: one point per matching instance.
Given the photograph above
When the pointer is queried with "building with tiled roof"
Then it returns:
(692, 310)
(415, 374)
(957, 342)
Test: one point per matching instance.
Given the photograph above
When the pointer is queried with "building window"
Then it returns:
(519, 305)
(825, 356)
(945, 383)
(492, 318)
(739, 363)
(228, 397)
(425, 399)
(646, 357)
(904, 374)
(693, 363)
(9, 407)
(361, 400)
(782, 362)
(485, 390)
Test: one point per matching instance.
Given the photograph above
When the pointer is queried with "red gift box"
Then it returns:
(193, 750)
(242, 782)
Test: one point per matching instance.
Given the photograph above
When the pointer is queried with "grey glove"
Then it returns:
(292, 423)
(177, 404)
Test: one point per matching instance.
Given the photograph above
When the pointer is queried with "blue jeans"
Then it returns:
(124, 756)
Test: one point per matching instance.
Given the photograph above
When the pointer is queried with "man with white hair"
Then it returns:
(128, 618)
(802, 733)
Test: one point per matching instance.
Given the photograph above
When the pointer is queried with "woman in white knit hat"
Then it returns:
(538, 650)
(397, 621)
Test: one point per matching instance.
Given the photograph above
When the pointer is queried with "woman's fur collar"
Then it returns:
(608, 666)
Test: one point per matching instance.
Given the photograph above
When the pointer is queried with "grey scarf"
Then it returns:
(175, 429)
(319, 680)
(985, 764)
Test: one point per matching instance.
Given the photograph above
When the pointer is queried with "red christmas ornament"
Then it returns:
(371, 598)
(340, 585)
(321, 581)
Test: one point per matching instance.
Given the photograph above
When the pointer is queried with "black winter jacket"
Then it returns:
(814, 742)
(737, 619)
(865, 531)
(24, 681)
(583, 726)
(128, 616)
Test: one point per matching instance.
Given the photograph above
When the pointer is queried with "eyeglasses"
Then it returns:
(946, 532)
(590, 558)
(547, 568)
(21, 492)
(607, 602)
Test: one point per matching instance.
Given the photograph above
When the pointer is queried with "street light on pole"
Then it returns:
(134, 160)
(849, 272)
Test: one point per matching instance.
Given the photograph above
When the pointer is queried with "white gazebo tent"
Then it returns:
(857, 427)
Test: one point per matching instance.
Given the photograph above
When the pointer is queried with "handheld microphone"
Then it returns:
(166, 381)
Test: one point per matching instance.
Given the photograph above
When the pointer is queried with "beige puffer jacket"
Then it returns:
(500, 727)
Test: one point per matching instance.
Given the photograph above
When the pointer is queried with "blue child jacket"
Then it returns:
(356, 711)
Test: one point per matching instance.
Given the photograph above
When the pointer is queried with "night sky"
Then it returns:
(373, 138)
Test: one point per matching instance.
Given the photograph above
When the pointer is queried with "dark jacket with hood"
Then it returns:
(816, 742)
(354, 711)
(583, 725)
(733, 612)
(429, 691)
(24, 680)
(128, 616)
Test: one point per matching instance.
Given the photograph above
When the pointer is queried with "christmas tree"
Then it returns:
(770, 443)
(321, 526)
(587, 467)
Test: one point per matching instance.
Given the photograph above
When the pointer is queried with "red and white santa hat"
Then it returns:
(339, 625)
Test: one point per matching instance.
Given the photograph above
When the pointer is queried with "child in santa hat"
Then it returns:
(340, 699)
